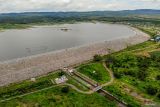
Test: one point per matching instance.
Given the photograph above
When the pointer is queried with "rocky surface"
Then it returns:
(37, 65)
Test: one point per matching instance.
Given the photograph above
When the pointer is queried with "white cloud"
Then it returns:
(75, 5)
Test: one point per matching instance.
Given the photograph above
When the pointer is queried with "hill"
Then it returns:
(34, 17)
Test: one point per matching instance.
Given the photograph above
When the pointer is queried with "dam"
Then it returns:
(43, 49)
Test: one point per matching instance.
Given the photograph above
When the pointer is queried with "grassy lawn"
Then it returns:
(28, 86)
(56, 98)
(77, 84)
(95, 71)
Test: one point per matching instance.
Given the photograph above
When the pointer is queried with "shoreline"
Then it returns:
(58, 25)
(36, 65)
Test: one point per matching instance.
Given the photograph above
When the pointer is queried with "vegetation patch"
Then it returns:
(26, 86)
(95, 71)
(14, 26)
(139, 71)
(59, 97)
(116, 90)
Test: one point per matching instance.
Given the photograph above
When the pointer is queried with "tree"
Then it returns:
(118, 74)
(65, 89)
(110, 60)
(144, 62)
(158, 95)
(61, 73)
(98, 76)
(142, 74)
(152, 90)
(158, 77)
(97, 58)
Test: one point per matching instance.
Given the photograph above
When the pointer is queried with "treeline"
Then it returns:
(42, 19)
(134, 16)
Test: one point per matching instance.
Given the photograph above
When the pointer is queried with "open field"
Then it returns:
(43, 92)
(55, 97)
(95, 71)
(137, 71)
(116, 89)
(138, 67)
(27, 86)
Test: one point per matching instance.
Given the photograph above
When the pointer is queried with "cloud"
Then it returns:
(75, 5)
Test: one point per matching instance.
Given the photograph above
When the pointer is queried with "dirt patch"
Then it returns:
(137, 95)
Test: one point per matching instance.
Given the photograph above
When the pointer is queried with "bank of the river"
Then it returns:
(4, 27)
(36, 65)
(41, 39)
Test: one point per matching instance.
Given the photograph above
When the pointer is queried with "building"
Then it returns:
(62, 79)
(33, 79)
(71, 70)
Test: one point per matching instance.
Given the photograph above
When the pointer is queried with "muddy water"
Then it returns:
(41, 39)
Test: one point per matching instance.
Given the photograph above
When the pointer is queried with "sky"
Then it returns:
(9, 6)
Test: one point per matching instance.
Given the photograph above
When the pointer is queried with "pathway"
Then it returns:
(111, 75)
(65, 84)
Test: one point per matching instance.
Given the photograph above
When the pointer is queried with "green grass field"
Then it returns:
(28, 86)
(54, 97)
(116, 90)
(49, 97)
(139, 68)
(95, 71)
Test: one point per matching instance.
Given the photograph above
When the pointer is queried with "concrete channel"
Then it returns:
(97, 88)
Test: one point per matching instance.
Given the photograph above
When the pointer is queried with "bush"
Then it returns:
(65, 89)
(152, 90)
(110, 59)
(158, 77)
(117, 74)
(142, 74)
(61, 73)
(158, 95)
(97, 58)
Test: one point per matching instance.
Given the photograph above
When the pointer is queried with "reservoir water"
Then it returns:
(41, 39)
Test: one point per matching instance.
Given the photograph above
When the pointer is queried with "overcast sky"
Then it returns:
(75, 5)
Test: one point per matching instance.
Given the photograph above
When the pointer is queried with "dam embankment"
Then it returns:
(36, 65)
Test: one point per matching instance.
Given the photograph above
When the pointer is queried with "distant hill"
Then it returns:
(31, 17)
(91, 13)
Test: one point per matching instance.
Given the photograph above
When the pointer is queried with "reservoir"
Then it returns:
(40, 39)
